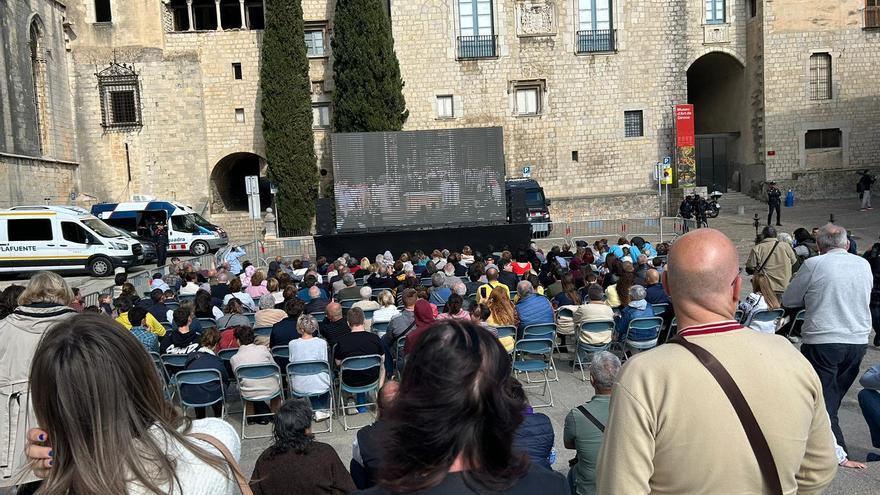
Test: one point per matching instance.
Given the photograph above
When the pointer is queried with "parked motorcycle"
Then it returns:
(713, 207)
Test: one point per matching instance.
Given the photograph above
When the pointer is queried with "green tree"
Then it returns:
(287, 114)
(368, 89)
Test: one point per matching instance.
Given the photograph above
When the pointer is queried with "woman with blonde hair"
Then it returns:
(42, 304)
(502, 314)
(762, 298)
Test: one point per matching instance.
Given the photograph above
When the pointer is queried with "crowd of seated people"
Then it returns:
(443, 304)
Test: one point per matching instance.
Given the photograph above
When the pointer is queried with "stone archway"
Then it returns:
(716, 88)
(227, 182)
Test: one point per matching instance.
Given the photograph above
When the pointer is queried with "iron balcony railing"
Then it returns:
(472, 47)
(596, 40)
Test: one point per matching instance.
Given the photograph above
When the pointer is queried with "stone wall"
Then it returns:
(31, 181)
(793, 30)
(639, 204)
(585, 95)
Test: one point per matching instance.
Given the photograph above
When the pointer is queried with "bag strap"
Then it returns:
(764, 263)
(592, 418)
(243, 485)
(756, 437)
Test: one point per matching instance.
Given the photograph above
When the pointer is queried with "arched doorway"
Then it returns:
(227, 182)
(716, 84)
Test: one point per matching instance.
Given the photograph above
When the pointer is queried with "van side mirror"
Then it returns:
(547, 202)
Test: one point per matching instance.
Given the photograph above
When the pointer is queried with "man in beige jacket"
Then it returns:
(775, 258)
(672, 429)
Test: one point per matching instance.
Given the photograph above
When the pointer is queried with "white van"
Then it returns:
(62, 238)
(187, 230)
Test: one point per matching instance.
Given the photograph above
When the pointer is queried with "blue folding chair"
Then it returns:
(766, 316)
(163, 375)
(172, 305)
(176, 362)
(319, 317)
(251, 317)
(358, 363)
(167, 326)
(312, 368)
(376, 292)
(648, 331)
(347, 304)
(564, 313)
(529, 357)
(592, 330)
(186, 298)
(426, 282)
(800, 316)
(281, 352)
(368, 314)
(399, 357)
(226, 354)
(263, 331)
(207, 322)
(543, 331)
(201, 377)
(256, 372)
(380, 327)
(660, 309)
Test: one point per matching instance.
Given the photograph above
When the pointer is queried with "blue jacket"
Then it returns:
(534, 437)
(629, 313)
(534, 309)
(208, 392)
(655, 295)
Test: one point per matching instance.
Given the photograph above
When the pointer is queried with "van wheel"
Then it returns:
(198, 248)
(100, 267)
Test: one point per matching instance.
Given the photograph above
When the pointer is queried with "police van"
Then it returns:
(187, 230)
(62, 238)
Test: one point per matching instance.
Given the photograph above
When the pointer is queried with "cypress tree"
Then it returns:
(287, 114)
(368, 89)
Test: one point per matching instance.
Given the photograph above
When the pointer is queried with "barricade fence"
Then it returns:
(656, 229)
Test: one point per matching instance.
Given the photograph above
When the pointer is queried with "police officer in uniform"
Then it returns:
(160, 237)
(774, 198)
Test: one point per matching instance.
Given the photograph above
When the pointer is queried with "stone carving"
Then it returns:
(536, 18)
(716, 33)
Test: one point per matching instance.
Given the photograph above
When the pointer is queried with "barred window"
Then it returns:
(119, 91)
(872, 13)
(633, 124)
(822, 138)
(820, 76)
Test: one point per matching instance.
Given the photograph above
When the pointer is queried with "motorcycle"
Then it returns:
(713, 208)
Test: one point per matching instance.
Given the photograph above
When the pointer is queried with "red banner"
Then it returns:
(684, 125)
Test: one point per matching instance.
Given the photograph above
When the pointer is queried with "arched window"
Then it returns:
(38, 75)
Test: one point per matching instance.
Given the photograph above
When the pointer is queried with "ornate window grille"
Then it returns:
(119, 90)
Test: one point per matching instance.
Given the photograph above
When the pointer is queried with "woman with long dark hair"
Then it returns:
(102, 409)
(295, 462)
(450, 429)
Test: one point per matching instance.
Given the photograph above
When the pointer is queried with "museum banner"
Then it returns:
(685, 141)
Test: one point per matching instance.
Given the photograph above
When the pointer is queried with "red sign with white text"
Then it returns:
(684, 125)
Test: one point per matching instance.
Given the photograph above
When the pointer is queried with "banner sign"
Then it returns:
(685, 141)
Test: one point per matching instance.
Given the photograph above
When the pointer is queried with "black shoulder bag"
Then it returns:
(595, 422)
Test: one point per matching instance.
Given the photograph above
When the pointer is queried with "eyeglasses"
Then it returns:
(738, 273)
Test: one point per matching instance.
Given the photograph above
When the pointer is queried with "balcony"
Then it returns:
(477, 47)
(596, 41)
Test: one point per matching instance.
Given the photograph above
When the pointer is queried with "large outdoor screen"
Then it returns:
(386, 180)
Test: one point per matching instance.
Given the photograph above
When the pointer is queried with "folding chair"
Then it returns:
(176, 362)
(380, 327)
(767, 316)
(587, 328)
(186, 298)
(376, 292)
(399, 357)
(532, 353)
(201, 377)
(281, 351)
(426, 282)
(207, 322)
(358, 363)
(168, 326)
(263, 331)
(347, 304)
(800, 316)
(226, 354)
(312, 368)
(163, 375)
(660, 309)
(541, 331)
(256, 372)
(649, 331)
(251, 317)
(368, 314)
(319, 317)
(172, 305)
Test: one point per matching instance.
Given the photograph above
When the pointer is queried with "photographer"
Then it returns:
(863, 187)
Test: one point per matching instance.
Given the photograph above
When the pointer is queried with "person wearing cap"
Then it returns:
(774, 198)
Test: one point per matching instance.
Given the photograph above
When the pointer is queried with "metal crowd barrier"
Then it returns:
(656, 229)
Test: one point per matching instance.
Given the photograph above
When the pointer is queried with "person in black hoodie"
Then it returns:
(155, 305)
(181, 340)
(206, 359)
(506, 275)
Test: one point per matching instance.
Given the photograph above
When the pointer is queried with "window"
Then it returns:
(321, 116)
(254, 15)
(714, 11)
(185, 223)
(204, 15)
(528, 100)
(820, 76)
(74, 233)
(476, 29)
(872, 13)
(753, 8)
(31, 229)
(239, 115)
(633, 123)
(236, 70)
(102, 11)
(445, 107)
(120, 96)
(822, 138)
(315, 42)
(594, 26)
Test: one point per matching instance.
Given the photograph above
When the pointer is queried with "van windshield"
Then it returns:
(200, 221)
(100, 228)
(535, 198)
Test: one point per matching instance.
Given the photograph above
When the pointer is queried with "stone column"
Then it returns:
(217, 7)
(189, 12)
(241, 7)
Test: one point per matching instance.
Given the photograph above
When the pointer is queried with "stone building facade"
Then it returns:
(161, 98)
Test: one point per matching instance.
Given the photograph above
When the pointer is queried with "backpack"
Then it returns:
(860, 186)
